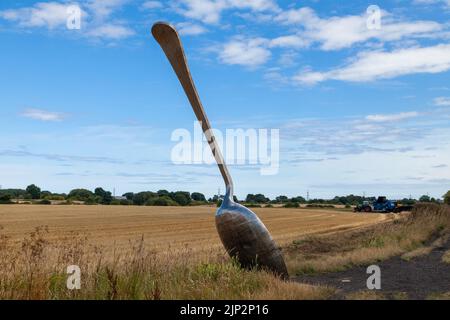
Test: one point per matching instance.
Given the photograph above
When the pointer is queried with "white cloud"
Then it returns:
(152, 5)
(43, 115)
(375, 65)
(192, 29)
(111, 31)
(209, 11)
(337, 33)
(445, 2)
(42, 14)
(95, 18)
(392, 117)
(291, 41)
(104, 8)
(245, 52)
(442, 101)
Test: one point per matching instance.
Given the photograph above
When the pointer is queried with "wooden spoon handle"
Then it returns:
(169, 40)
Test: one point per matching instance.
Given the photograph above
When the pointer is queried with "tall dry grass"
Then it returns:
(36, 270)
(339, 251)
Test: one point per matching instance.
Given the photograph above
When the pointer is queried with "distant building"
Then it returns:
(120, 198)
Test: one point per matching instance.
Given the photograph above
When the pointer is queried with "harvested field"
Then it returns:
(162, 227)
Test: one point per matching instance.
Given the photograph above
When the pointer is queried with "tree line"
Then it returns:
(34, 194)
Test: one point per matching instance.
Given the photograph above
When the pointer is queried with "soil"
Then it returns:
(415, 279)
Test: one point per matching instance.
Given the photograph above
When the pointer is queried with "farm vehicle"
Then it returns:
(382, 205)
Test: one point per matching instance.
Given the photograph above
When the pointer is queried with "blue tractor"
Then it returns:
(382, 205)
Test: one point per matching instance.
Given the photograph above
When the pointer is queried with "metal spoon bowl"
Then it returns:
(243, 234)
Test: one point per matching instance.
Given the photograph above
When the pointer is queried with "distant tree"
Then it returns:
(424, 198)
(163, 193)
(447, 197)
(292, 205)
(105, 197)
(5, 198)
(408, 202)
(128, 195)
(183, 198)
(197, 196)
(46, 194)
(161, 201)
(256, 198)
(281, 199)
(142, 197)
(80, 195)
(34, 191)
(298, 199)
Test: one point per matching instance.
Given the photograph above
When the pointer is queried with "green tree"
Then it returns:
(128, 195)
(5, 198)
(80, 195)
(256, 198)
(142, 197)
(281, 199)
(447, 197)
(425, 198)
(105, 197)
(34, 191)
(197, 196)
(183, 198)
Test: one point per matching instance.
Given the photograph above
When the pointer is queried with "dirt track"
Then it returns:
(415, 279)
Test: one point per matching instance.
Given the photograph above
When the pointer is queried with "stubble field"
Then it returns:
(165, 227)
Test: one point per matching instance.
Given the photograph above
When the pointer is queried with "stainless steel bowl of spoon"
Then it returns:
(243, 234)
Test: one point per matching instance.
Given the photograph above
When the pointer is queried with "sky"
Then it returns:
(359, 109)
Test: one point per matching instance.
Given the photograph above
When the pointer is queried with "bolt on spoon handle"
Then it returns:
(167, 37)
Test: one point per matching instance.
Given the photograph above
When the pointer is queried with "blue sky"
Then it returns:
(358, 110)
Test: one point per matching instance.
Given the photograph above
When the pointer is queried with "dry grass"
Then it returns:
(446, 257)
(343, 250)
(425, 250)
(439, 296)
(174, 253)
(36, 270)
(365, 295)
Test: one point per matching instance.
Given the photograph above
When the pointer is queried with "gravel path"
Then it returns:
(416, 279)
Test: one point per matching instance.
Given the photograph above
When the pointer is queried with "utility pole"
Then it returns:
(307, 195)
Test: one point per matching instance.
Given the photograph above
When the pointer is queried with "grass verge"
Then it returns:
(403, 233)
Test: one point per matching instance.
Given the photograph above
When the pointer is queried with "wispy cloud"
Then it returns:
(209, 11)
(152, 5)
(336, 32)
(375, 65)
(111, 31)
(43, 14)
(392, 117)
(59, 157)
(96, 18)
(43, 115)
(442, 101)
(245, 52)
(190, 29)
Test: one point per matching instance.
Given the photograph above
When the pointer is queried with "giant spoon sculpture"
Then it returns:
(242, 233)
